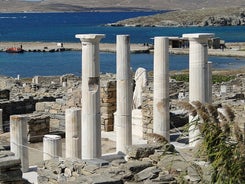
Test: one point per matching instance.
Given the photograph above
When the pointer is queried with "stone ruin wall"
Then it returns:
(230, 93)
(10, 168)
(46, 80)
(147, 104)
(37, 126)
(24, 106)
(56, 109)
(108, 104)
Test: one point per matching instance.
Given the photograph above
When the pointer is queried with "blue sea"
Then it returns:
(62, 27)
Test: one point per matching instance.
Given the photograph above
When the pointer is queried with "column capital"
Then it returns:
(195, 36)
(90, 37)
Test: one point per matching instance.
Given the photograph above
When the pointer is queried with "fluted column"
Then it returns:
(73, 132)
(1, 121)
(91, 123)
(52, 147)
(198, 76)
(161, 119)
(123, 115)
(210, 83)
(18, 139)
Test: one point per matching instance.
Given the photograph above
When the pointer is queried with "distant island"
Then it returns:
(234, 16)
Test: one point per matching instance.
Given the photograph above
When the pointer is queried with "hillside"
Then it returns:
(110, 5)
(199, 17)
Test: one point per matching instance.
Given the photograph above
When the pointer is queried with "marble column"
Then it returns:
(1, 121)
(198, 80)
(52, 147)
(91, 123)
(18, 139)
(210, 83)
(161, 118)
(73, 133)
(123, 115)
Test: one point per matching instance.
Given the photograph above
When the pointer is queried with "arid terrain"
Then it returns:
(110, 5)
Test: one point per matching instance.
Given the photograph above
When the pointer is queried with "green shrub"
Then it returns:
(222, 78)
(215, 78)
(181, 77)
(222, 142)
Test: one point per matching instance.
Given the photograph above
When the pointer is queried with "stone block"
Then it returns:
(8, 162)
(148, 173)
(141, 151)
(173, 162)
(97, 162)
(54, 124)
(11, 175)
(137, 166)
(104, 179)
(38, 126)
(56, 106)
(108, 125)
(41, 106)
(10, 170)
(53, 111)
(108, 100)
(60, 101)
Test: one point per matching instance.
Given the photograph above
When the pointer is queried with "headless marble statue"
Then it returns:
(140, 83)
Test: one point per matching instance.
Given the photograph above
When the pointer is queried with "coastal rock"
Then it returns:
(223, 21)
(181, 18)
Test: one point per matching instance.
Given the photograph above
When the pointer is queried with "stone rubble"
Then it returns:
(143, 164)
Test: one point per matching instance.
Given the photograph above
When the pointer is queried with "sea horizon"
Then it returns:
(62, 27)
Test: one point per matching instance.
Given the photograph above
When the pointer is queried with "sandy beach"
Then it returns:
(233, 49)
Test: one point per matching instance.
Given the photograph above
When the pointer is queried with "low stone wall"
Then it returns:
(24, 106)
(56, 109)
(147, 110)
(10, 169)
(46, 80)
(37, 127)
(108, 104)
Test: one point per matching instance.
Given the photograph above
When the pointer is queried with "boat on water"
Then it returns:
(14, 50)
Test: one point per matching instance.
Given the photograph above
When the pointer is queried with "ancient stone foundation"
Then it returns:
(37, 126)
(10, 169)
(108, 102)
(56, 109)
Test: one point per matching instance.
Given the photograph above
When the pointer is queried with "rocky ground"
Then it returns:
(143, 164)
